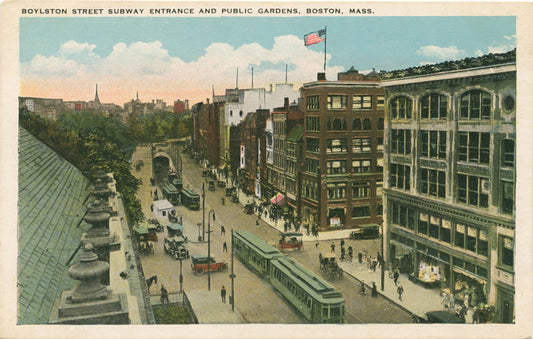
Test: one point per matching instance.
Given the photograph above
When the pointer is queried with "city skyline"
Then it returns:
(129, 55)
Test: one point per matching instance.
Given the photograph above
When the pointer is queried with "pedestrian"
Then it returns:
(257, 222)
(446, 301)
(475, 316)
(225, 247)
(164, 295)
(396, 276)
(316, 244)
(400, 291)
(223, 294)
(362, 290)
(342, 242)
(222, 230)
(379, 259)
(332, 247)
(360, 257)
(222, 200)
(374, 264)
(374, 290)
(452, 303)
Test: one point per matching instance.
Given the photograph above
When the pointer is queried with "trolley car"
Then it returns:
(190, 199)
(171, 193)
(315, 299)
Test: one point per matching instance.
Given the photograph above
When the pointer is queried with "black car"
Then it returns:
(365, 232)
(444, 317)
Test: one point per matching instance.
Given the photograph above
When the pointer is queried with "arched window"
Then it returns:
(434, 106)
(367, 124)
(476, 105)
(356, 124)
(401, 108)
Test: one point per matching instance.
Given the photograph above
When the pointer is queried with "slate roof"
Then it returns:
(51, 205)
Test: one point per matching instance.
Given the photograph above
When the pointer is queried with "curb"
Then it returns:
(386, 297)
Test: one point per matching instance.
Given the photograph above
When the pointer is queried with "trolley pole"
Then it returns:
(232, 276)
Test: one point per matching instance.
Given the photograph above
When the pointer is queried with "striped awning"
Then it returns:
(278, 199)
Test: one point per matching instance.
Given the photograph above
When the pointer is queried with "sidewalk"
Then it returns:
(415, 299)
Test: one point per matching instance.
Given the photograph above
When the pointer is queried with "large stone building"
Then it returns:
(206, 119)
(343, 136)
(450, 169)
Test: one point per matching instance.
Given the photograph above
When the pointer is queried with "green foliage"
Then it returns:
(171, 314)
(91, 142)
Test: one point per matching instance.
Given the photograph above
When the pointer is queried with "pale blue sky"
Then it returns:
(137, 52)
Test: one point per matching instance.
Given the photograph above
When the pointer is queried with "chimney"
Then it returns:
(321, 76)
(286, 103)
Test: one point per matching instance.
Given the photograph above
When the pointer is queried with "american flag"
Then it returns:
(314, 37)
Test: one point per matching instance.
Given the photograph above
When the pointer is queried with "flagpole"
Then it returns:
(325, 44)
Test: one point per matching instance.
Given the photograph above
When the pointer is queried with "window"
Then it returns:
(337, 101)
(460, 235)
(476, 105)
(400, 176)
(336, 191)
(473, 190)
(230, 113)
(474, 147)
(313, 104)
(336, 124)
(381, 124)
(401, 108)
(401, 141)
(362, 102)
(379, 210)
(379, 188)
(336, 145)
(361, 211)
(367, 124)
(360, 190)
(313, 124)
(336, 167)
(311, 166)
(361, 166)
(380, 144)
(240, 113)
(508, 153)
(357, 125)
(381, 102)
(361, 145)
(312, 145)
(432, 182)
(310, 189)
(434, 106)
(433, 144)
(507, 197)
(506, 251)
(423, 221)
(403, 216)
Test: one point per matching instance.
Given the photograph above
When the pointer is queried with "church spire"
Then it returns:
(96, 99)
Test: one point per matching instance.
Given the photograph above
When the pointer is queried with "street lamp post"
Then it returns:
(203, 211)
(232, 276)
(209, 247)
(181, 277)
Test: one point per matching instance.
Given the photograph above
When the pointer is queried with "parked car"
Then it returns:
(175, 246)
(365, 232)
(199, 264)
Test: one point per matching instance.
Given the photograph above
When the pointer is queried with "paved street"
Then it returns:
(255, 299)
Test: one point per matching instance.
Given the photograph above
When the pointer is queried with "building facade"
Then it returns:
(450, 165)
(343, 136)
(207, 131)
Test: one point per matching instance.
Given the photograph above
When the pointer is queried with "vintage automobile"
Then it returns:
(229, 191)
(249, 208)
(199, 264)
(365, 232)
(443, 317)
(140, 233)
(152, 232)
(328, 265)
(211, 185)
(156, 223)
(291, 241)
(175, 247)
(175, 229)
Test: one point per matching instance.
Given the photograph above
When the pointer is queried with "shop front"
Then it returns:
(471, 291)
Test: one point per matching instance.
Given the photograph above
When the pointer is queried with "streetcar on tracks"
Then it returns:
(190, 199)
(316, 300)
(171, 193)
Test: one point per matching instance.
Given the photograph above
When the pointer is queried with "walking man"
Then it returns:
(396, 276)
(164, 295)
(360, 257)
(222, 230)
(225, 247)
(332, 247)
(400, 291)
(223, 294)
(374, 290)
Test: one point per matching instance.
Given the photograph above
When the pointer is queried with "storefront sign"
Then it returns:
(335, 221)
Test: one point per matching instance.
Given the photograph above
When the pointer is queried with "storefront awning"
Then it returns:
(470, 275)
(278, 199)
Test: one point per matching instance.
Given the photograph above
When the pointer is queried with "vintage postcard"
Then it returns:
(266, 169)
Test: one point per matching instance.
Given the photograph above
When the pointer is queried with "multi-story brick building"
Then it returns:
(343, 136)
(450, 164)
(207, 131)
